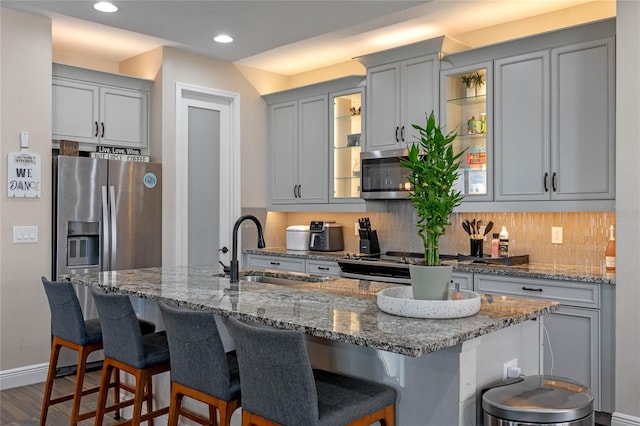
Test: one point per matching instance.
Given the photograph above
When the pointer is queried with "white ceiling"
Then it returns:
(286, 36)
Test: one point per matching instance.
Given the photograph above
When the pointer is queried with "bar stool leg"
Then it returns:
(83, 353)
(174, 405)
(149, 398)
(53, 362)
(141, 380)
(116, 392)
(226, 411)
(107, 370)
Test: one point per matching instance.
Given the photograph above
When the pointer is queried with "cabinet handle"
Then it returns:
(402, 134)
(299, 191)
(546, 182)
(553, 182)
(532, 289)
(102, 135)
(295, 195)
(323, 268)
(275, 263)
(96, 135)
(397, 130)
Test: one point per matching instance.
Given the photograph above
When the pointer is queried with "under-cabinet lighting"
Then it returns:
(105, 6)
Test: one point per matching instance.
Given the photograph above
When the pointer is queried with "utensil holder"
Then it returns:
(476, 247)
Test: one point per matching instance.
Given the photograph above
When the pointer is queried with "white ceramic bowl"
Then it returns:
(399, 301)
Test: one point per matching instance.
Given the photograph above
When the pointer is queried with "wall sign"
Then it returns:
(24, 174)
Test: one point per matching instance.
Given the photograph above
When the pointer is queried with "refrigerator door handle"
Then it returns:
(114, 225)
(105, 230)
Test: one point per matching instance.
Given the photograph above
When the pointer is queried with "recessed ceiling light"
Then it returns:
(223, 38)
(105, 6)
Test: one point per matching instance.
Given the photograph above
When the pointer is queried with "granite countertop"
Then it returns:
(336, 309)
(582, 274)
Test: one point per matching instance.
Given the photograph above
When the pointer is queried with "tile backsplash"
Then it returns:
(585, 234)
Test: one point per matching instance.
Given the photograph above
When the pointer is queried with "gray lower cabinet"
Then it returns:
(292, 264)
(463, 279)
(577, 341)
(275, 262)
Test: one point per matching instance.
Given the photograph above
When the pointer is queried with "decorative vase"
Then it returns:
(430, 282)
(471, 91)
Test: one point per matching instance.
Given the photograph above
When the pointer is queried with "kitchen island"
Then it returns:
(437, 366)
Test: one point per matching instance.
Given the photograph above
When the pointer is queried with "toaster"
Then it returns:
(325, 236)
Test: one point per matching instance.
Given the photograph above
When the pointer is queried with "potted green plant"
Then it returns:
(433, 169)
(474, 83)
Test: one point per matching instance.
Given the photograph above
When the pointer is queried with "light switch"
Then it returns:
(25, 234)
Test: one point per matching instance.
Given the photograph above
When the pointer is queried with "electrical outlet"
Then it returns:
(507, 365)
(556, 235)
(356, 226)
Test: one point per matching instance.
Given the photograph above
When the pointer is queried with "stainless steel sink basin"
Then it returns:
(270, 280)
(281, 281)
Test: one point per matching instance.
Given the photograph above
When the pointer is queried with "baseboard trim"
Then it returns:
(620, 419)
(23, 376)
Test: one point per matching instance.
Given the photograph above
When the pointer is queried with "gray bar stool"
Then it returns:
(200, 368)
(125, 348)
(70, 330)
(280, 387)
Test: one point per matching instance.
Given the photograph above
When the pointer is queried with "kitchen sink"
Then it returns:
(270, 280)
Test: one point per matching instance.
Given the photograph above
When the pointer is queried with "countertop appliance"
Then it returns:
(298, 237)
(325, 236)
(107, 215)
(391, 267)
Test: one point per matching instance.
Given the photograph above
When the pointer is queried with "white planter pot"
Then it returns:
(430, 282)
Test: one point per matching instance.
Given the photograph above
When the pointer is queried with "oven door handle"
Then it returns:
(377, 278)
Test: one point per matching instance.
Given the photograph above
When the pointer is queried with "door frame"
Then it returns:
(228, 103)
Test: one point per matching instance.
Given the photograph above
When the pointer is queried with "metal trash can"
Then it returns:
(539, 400)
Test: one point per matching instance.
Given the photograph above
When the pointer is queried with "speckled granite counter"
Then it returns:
(338, 309)
(583, 274)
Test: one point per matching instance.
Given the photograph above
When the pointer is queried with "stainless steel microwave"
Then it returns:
(382, 176)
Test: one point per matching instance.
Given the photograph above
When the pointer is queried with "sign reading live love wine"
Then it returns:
(24, 174)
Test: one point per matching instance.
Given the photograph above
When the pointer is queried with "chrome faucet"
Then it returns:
(234, 252)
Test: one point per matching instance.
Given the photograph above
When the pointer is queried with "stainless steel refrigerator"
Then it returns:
(107, 216)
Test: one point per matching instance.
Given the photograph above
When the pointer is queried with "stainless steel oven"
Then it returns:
(390, 267)
(383, 178)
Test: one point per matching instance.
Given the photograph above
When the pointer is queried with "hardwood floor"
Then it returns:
(21, 406)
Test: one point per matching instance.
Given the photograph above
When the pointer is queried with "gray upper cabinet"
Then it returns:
(403, 87)
(583, 120)
(95, 108)
(554, 123)
(305, 163)
(522, 129)
(552, 105)
(399, 94)
(299, 151)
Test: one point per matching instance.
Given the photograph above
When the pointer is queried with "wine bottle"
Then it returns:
(610, 252)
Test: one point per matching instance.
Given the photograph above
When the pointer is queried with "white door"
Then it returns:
(208, 174)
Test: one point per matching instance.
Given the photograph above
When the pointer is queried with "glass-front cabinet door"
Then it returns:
(346, 133)
(467, 107)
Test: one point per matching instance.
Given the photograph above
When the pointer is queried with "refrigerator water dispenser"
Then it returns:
(83, 243)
